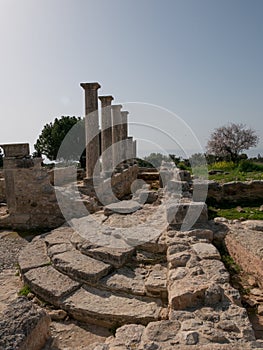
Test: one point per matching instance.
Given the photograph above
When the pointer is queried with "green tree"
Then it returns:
(155, 159)
(53, 134)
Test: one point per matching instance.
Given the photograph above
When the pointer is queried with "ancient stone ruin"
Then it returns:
(28, 187)
(138, 272)
(119, 254)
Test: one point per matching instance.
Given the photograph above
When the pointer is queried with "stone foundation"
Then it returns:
(235, 193)
(31, 198)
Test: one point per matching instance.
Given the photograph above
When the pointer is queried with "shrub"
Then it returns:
(248, 166)
(223, 165)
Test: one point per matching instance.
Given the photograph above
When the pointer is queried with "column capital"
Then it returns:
(125, 113)
(90, 86)
(106, 100)
(116, 107)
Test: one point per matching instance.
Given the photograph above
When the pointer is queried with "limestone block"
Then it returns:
(207, 235)
(122, 207)
(50, 284)
(179, 259)
(174, 186)
(187, 292)
(183, 175)
(160, 331)
(125, 279)
(206, 251)
(80, 267)
(156, 282)
(146, 196)
(33, 255)
(193, 211)
(107, 309)
(23, 326)
(18, 150)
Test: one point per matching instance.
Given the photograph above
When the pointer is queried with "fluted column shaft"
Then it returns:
(106, 134)
(116, 133)
(92, 129)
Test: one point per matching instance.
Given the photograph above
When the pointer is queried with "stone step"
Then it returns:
(49, 284)
(149, 281)
(126, 280)
(33, 255)
(80, 267)
(116, 257)
(104, 308)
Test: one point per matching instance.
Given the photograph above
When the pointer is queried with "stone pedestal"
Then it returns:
(116, 133)
(92, 129)
(106, 135)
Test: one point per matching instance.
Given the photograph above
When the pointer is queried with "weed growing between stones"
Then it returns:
(24, 291)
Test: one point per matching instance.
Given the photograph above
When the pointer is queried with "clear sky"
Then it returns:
(201, 59)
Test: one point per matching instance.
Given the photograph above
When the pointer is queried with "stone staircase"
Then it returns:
(101, 285)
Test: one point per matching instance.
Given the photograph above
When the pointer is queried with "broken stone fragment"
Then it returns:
(122, 207)
(23, 326)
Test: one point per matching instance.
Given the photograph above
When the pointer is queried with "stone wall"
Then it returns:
(2, 190)
(31, 198)
(244, 242)
(236, 192)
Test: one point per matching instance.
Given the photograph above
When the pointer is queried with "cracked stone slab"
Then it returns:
(113, 256)
(59, 248)
(122, 207)
(59, 235)
(33, 255)
(125, 279)
(80, 267)
(50, 284)
(107, 309)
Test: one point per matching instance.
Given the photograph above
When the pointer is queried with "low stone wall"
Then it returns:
(245, 246)
(31, 199)
(236, 192)
(2, 190)
(61, 176)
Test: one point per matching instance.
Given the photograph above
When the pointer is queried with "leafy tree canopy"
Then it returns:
(53, 134)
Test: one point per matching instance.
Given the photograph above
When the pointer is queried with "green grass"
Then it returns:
(250, 213)
(24, 291)
(244, 171)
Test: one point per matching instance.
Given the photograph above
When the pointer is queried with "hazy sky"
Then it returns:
(200, 59)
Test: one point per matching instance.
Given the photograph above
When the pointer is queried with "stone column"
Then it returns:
(134, 149)
(106, 135)
(91, 129)
(130, 147)
(124, 133)
(116, 134)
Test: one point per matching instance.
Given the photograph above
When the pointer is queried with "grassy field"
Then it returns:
(247, 213)
(245, 171)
